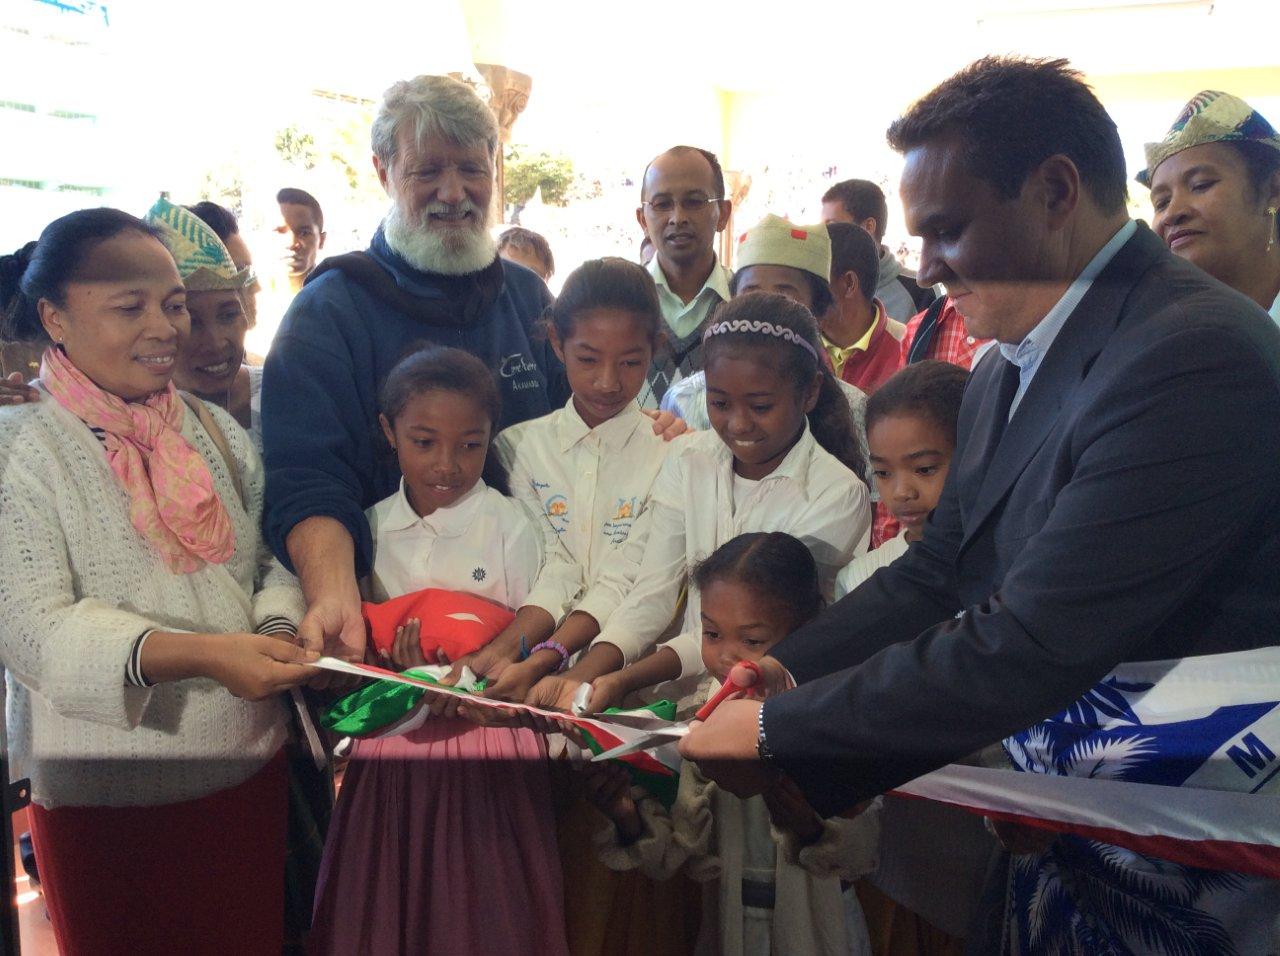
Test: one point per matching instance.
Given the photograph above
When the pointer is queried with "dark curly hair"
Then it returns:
(1011, 114)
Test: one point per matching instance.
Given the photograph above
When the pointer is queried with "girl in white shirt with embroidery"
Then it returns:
(784, 456)
(586, 469)
(417, 810)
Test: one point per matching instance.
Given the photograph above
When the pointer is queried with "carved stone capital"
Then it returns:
(508, 94)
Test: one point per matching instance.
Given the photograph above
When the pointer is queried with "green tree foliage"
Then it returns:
(526, 172)
(338, 148)
(296, 147)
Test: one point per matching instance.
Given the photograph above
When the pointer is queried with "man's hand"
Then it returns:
(724, 748)
(773, 679)
(14, 391)
(666, 424)
(324, 556)
(333, 626)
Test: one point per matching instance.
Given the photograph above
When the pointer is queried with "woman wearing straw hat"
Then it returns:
(1215, 191)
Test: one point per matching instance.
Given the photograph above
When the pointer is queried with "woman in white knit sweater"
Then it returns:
(141, 703)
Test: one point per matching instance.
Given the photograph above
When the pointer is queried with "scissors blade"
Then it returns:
(639, 720)
(645, 742)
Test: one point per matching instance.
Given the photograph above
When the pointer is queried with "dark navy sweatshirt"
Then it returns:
(321, 439)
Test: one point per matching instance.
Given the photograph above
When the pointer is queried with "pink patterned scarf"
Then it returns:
(172, 501)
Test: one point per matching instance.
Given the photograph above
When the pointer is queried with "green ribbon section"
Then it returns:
(378, 705)
(662, 787)
(381, 704)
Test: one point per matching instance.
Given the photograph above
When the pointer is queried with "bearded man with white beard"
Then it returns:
(431, 275)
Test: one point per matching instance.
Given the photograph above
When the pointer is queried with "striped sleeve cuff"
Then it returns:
(278, 624)
(133, 675)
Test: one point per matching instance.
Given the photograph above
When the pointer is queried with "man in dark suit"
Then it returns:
(1115, 492)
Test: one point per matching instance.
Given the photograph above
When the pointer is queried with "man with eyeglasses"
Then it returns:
(682, 207)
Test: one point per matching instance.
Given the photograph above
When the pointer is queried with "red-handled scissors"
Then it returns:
(731, 688)
(666, 735)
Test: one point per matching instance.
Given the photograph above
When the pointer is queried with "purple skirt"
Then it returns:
(443, 840)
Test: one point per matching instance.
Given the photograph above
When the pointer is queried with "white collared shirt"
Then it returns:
(863, 566)
(483, 544)
(1028, 353)
(810, 495)
(587, 487)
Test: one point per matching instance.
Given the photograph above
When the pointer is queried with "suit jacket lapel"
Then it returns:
(1060, 373)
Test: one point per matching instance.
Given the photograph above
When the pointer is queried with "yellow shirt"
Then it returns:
(840, 354)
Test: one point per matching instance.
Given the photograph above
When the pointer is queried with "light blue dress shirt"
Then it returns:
(1028, 353)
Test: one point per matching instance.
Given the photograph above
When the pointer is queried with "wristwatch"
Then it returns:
(762, 743)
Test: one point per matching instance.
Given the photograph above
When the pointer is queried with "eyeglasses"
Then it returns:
(664, 205)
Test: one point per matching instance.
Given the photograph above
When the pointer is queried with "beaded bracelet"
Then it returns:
(558, 648)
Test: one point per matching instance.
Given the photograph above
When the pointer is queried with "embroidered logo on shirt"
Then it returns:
(479, 574)
(618, 527)
(556, 510)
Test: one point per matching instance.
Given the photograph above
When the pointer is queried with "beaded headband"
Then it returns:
(761, 328)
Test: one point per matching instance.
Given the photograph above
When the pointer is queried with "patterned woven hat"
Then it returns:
(775, 242)
(1210, 117)
(203, 261)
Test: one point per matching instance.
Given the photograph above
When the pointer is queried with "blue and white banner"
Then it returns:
(1176, 759)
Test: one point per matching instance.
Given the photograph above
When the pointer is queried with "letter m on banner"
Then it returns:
(1252, 756)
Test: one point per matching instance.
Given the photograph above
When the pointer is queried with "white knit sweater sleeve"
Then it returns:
(277, 594)
(71, 652)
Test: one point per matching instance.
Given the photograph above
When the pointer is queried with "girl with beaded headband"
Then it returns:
(783, 455)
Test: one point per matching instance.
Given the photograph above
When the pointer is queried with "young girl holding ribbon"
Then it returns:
(443, 835)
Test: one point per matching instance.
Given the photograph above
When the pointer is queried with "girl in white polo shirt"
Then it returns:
(783, 456)
(418, 810)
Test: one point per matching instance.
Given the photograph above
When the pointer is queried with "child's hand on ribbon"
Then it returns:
(514, 682)
(553, 693)
(607, 691)
(488, 662)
